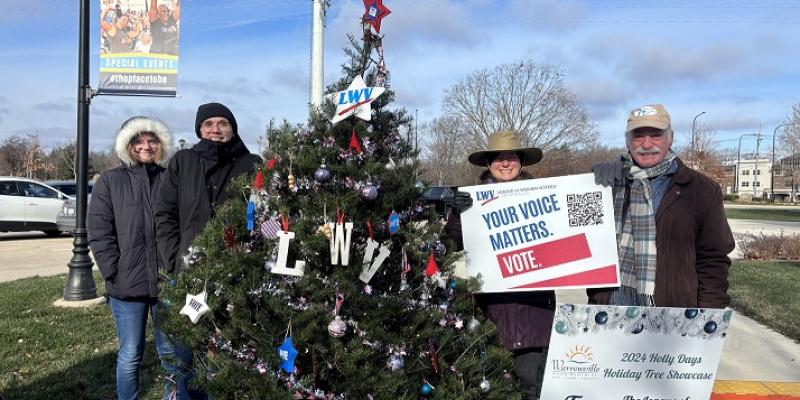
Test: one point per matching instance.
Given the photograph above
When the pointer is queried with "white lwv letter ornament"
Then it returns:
(283, 254)
(367, 270)
(340, 240)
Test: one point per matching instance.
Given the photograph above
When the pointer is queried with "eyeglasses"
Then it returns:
(208, 124)
(149, 142)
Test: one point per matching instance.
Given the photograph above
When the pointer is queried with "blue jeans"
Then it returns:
(130, 317)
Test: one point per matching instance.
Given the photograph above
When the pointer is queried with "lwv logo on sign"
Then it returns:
(356, 100)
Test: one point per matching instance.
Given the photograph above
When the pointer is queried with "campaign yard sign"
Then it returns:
(634, 353)
(541, 234)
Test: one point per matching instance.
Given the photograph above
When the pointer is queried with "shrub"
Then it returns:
(770, 247)
(730, 197)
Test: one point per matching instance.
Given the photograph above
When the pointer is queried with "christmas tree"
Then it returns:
(325, 275)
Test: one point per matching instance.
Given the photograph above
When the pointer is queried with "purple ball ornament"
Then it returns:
(369, 191)
(322, 174)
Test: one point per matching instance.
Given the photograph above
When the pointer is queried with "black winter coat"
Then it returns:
(122, 232)
(196, 181)
(523, 319)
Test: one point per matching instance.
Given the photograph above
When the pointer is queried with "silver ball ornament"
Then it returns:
(395, 362)
(337, 327)
(369, 192)
(485, 385)
(473, 325)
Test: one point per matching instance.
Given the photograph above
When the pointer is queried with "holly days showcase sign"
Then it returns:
(541, 234)
(634, 353)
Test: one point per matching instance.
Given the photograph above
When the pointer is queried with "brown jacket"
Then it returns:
(523, 319)
(693, 240)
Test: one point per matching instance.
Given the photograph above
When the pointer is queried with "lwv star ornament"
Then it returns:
(356, 100)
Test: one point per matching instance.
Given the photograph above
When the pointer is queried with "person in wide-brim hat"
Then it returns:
(501, 141)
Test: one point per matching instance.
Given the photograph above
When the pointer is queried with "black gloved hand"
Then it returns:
(607, 173)
(462, 201)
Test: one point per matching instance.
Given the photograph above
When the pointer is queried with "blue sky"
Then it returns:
(736, 60)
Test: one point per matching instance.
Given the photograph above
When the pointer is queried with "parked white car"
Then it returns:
(29, 205)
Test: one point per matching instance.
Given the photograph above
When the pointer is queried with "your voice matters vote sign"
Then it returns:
(541, 234)
(634, 353)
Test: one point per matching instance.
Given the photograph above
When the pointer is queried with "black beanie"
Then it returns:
(206, 111)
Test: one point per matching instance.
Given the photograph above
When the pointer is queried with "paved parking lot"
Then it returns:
(29, 254)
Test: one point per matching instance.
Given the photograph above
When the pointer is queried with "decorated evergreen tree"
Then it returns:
(324, 275)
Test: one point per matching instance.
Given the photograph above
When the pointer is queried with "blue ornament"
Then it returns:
(322, 174)
(452, 284)
(251, 215)
(690, 313)
(562, 327)
(632, 312)
(637, 329)
(710, 327)
(288, 354)
(394, 223)
(727, 316)
(426, 389)
(601, 318)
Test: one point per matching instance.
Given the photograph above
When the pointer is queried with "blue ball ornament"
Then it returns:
(452, 284)
(601, 318)
(426, 389)
(637, 329)
(710, 327)
(727, 316)
(562, 327)
(632, 312)
(690, 313)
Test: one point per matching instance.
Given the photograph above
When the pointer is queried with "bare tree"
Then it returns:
(21, 155)
(526, 97)
(708, 157)
(445, 155)
(63, 159)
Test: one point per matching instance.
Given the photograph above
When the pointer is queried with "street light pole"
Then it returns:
(80, 282)
(772, 170)
(694, 147)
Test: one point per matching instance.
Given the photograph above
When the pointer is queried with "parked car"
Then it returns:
(29, 205)
(68, 187)
(66, 216)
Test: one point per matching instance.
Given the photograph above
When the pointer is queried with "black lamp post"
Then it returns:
(80, 283)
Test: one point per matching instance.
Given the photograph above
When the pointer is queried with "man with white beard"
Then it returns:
(673, 238)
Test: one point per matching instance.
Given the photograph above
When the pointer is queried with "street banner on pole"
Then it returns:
(541, 234)
(139, 47)
(633, 353)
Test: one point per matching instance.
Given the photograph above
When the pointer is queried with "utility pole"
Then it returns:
(317, 52)
(755, 168)
(694, 139)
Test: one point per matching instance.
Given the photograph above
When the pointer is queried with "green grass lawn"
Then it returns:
(49, 353)
(767, 291)
(789, 215)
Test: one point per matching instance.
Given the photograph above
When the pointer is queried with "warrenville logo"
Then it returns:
(580, 355)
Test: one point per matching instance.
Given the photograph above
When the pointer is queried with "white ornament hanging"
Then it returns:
(340, 241)
(283, 254)
(195, 306)
(356, 100)
(368, 269)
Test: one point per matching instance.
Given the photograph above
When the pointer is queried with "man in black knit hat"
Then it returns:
(197, 180)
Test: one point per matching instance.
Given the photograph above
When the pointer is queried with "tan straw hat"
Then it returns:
(501, 141)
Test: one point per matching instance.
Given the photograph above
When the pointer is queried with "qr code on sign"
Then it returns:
(585, 208)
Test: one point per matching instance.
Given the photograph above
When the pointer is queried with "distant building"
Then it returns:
(756, 178)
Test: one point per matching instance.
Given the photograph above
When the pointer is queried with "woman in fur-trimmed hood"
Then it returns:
(122, 236)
